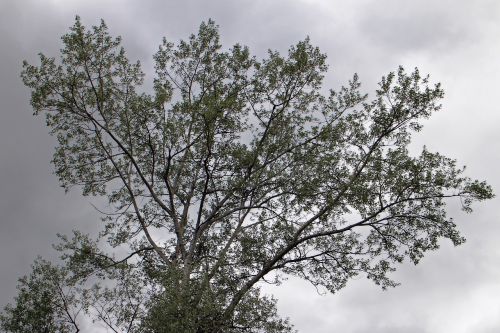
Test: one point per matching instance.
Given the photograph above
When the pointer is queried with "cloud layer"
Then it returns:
(452, 290)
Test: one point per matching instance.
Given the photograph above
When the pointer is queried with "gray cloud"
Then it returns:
(453, 289)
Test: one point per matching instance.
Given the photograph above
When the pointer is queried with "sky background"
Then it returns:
(456, 41)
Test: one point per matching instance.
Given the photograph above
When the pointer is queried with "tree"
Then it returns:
(44, 303)
(234, 172)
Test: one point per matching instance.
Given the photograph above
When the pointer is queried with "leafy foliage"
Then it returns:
(233, 172)
(43, 302)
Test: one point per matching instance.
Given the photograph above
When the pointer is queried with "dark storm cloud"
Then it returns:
(452, 290)
(412, 27)
(32, 206)
(445, 25)
(408, 328)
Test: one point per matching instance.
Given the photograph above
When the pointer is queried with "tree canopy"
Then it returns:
(234, 171)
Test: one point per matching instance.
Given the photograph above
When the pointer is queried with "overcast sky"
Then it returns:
(456, 41)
